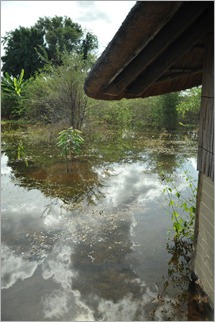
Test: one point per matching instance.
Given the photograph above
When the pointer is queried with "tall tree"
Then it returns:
(20, 52)
(167, 104)
(45, 42)
(60, 34)
(88, 44)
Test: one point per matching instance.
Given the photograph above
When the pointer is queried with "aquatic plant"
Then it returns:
(69, 141)
(182, 208)
(21, 154)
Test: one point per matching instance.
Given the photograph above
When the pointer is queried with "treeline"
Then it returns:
(170, 111)
(43, 82)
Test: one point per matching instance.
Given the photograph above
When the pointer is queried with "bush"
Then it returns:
(57, 93)
(40, 100)
(8, 103)
(189, 106)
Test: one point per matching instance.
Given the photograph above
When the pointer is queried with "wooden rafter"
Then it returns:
(184, 18)
(178, 48)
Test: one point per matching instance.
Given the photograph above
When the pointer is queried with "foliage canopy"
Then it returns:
(45, 42)
(20, 51)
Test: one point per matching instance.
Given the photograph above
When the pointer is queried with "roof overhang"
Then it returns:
(159, 48)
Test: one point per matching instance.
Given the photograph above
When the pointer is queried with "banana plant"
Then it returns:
(12, 84)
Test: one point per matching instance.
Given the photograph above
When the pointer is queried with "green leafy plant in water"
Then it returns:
(70, 142)
(21, 154)
(182, 208)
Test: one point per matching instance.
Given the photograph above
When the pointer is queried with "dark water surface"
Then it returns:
(92, 244)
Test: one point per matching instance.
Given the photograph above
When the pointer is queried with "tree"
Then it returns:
(45, 42)
(20, 52)
(88, 44)
(189, 107)
(71, 99)
(167, 104)
(60, 34)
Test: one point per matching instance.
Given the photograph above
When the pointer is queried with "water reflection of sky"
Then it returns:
(14, 267)
(115, 237)
(130, 182)
(133, 183)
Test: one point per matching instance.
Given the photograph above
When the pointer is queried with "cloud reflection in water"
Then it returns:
(14, 268)
(90, 260)
(64, 302)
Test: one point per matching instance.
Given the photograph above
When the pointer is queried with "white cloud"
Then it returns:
(103, 18)
(90, 12)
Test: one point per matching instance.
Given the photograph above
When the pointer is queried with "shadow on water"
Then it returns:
(92, 244)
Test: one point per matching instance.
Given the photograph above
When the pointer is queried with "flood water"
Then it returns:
(92, 244)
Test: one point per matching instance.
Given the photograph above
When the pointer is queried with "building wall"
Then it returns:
(203, 258)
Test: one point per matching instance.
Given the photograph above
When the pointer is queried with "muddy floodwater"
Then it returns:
(93, 243)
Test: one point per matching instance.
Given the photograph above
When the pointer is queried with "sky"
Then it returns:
(102, 18)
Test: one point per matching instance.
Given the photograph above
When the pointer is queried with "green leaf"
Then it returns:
(176, 227)
(21, 76)
(171, 203)
(184, 205)
(178, 194)
(175, 214)
(9, 78)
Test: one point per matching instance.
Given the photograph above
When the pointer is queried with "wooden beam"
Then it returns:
(185, 70)
(174, 85)
(180, 21)
(174, 52)
(179, 73)
(141, 25)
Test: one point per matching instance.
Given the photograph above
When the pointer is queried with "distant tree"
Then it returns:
(45, 42)
(88, 44)
(20, 52)
(60, 34)
(189, 106)
(168, 113)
